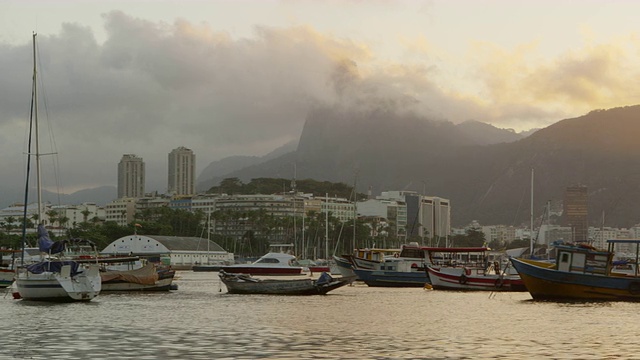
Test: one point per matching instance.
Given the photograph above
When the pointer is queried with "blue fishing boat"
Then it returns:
(382, 278)
(582, 272)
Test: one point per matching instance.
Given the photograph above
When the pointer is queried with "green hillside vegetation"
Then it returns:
(234, 186)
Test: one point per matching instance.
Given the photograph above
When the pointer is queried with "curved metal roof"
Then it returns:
(140, 244)
(181, 243)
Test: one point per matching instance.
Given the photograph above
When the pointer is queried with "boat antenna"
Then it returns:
(531, 234)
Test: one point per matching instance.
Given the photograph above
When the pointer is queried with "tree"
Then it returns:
(85, 214)
(53, 216)
(473, 238)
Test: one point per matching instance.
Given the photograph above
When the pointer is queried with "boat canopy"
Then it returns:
(52, 266)
(455, 249)
(45, 244)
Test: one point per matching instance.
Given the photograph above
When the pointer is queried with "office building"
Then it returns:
(130, 177)
(182, 172)
(575, 211)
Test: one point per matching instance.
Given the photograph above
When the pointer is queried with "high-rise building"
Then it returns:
(130, 176)
(575, 210)
(182, 171)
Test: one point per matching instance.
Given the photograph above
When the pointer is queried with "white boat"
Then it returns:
(53, 278)
(7, 272)
(272, 263)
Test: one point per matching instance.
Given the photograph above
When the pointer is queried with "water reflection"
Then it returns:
(201, 322)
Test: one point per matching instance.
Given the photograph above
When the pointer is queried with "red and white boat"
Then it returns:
(272, 263)
(469, 269)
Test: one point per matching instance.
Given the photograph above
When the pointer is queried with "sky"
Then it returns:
(238, 77)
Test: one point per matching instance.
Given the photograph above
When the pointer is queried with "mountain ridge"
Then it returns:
(489, 183)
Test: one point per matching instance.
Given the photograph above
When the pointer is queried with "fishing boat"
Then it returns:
(246, 284)
(54, 278)
(150, 277)
(469, 269)
(402, 269)
(272, 263)
(398, 274)
(343, 266)
(581, 272)
(131, 273)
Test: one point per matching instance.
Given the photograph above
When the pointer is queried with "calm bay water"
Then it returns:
(201, 322)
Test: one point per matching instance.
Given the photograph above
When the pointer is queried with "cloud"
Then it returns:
(520, 86)
(153, 86)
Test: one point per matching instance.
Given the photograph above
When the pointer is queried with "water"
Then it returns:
(357, 322)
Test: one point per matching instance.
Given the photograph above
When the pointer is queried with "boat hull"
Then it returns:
(238, 284)
(150, 277)
(203, 268)
(381, 278)
(453, 279)
(551, 284)
(118, 286)
(344, 267)
(53, 286)
(6, 278)
(266, 270)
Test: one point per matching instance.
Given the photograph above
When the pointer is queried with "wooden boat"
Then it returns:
(272, 263)
(398, 276)
(131, 273)
(245, 284)
(403, 269)
(468, 269)
(343, 265)
(581, 272)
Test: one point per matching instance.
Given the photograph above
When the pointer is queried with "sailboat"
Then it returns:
(53, 278)
(210, 265)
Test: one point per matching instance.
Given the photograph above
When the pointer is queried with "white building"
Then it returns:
(183, 252)
(122, 211)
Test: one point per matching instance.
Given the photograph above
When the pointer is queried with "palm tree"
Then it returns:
(53, 216)
(85, 214)
(63, 220)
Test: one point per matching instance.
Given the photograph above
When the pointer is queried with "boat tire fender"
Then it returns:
(634, 288)
(499, 282)
(463, 279)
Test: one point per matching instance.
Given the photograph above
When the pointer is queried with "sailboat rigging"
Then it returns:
(53, 278)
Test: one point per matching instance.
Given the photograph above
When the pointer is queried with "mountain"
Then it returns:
(487, 134)
(99, 195)
(218, 170)
(384, 150)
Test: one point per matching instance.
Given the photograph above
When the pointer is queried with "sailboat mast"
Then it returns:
(531, 235)
(326, 225)
(35, 112)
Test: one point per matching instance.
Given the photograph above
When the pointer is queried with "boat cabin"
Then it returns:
(583, 258)
(471, 257)
(627, 254)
